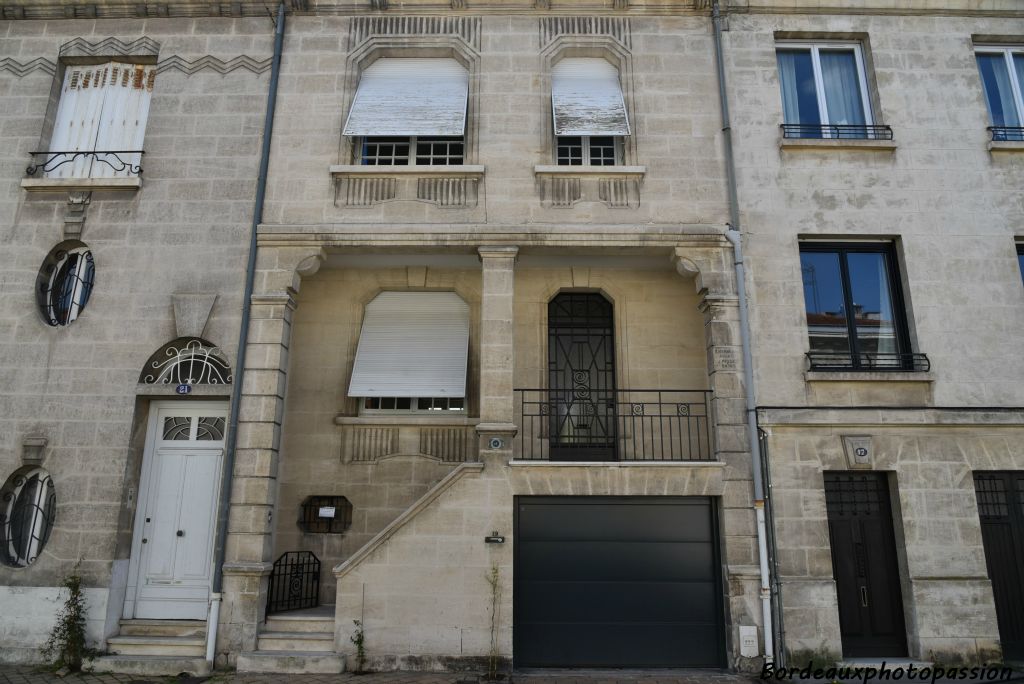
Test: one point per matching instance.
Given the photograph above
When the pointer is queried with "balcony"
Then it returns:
(868, 361)
(83, 170)
(1007, 133)
(836, 132)
(613, 425)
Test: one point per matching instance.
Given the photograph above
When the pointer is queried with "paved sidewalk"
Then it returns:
(13, 674)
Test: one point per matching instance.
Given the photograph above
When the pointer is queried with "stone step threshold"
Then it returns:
(291, 662)
(146, 665)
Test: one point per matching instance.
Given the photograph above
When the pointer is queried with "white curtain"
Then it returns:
(790, 88)
(842, 87)
(995, 79)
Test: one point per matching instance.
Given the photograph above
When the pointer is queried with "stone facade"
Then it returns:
(507, 230)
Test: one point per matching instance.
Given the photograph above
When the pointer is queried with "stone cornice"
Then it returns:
(124, 9)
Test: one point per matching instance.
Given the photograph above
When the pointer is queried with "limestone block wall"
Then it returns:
(184, 231)
(947, 596)
(668, 80)
(952, 206)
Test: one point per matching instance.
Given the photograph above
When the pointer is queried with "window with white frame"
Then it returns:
(410, 112)
(1002, 77)
(588, 111)
(824, 90)
(413, 354)
(100, 123)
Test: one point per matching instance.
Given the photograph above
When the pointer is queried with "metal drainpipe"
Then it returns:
(735, 238)
(243, 340)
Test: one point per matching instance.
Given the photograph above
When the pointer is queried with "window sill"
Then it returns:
(836, 144)
(522, 463)
(1006, 146)
(475, 171)
(869, 376)
(408, 419)
(554, 170)
(80, 184)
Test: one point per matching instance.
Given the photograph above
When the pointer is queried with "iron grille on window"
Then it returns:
(852, 494)
(28, 506)
(65, 282)
(187, 361)
(1007, 133)
(836, 132)
(325, 515)
(991, 492)
(403, 151)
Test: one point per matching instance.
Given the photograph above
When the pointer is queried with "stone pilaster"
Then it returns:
(497, 413)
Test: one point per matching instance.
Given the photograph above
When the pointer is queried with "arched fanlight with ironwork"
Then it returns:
(187, 361)
(28, 507)
(65, 282)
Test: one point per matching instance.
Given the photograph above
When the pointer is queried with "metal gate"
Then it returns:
(581, 378)
(1001, 509)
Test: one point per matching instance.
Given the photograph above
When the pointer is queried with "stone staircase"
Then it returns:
(156, 647)
(298, 642)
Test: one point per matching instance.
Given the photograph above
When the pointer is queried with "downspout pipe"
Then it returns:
(224, 506)
(734, 235)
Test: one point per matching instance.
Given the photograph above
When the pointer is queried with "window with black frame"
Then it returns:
(1020, 257)
(855, 313)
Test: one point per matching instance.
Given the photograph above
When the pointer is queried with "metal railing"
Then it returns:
(51, 161)
(836, 132)
(614, 425)
(294, 582)
(1003, 133)
(867, 361)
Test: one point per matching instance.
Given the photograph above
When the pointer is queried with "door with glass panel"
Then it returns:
(855, 314)
(172, 551)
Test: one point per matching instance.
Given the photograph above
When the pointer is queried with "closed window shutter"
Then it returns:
(586, 98)
(410, 97)
(78, 119)
(102, 107)
(123, 122)
(412, 344)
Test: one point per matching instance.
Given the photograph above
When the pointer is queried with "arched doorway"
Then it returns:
(581, 378)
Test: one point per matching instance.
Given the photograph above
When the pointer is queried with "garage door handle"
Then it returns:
(181, 533)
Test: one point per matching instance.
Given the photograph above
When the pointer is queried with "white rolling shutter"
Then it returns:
(125, 110)
(412, 344)
(102, 107)
(410, 97)
(586, 98)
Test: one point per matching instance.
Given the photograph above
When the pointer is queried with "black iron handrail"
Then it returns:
(837, 131)
(868, 361)
(294, 582)
(51, 160)
(614, 425)
(1001, 133)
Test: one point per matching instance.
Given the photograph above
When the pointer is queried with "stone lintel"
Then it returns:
(247, 569)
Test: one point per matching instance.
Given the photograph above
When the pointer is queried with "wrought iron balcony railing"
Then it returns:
(867, 361)
(614, 425)
(1007, 133)
(125, 163)
(836, 132)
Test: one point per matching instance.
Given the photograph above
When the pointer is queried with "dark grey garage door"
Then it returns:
(617, 582)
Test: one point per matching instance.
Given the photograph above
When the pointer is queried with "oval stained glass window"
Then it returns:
(65, 282)
(28, 506)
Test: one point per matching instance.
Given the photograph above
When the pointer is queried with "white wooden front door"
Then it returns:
(172, 550)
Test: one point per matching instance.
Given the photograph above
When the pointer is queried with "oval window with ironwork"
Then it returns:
(65, 282)
(28, 506)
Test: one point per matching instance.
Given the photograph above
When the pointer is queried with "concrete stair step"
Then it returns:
(300, 623)
(319, 642)
(158, 646)
(148, 665)
(175, 628)
(290, 662)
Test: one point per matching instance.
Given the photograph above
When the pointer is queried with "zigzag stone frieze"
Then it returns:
(256, 66)
(19, 69)
(616, 27)
(80, 47)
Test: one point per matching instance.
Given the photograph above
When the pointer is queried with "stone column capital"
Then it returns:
(497, 252)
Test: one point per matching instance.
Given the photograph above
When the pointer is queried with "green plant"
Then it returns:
(66, 646)
(492, 656)
(359, 639)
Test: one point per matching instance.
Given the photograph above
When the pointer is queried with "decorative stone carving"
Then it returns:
(18, 69)
(32, 448)
(74, 217)
(108, 47)
(859, 452)
(615, 27)
(466, 28)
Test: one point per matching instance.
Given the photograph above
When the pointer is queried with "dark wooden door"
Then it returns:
(616, 581)
(864, 564)
(1001, 509)
(581, 378)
